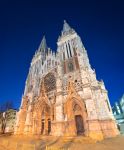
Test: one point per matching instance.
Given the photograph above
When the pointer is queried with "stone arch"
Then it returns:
(42, 117)
(75, 112)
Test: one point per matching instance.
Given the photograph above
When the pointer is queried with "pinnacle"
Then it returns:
(66, 28)
(43, 45)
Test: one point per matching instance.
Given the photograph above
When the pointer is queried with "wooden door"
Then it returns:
(79, 124)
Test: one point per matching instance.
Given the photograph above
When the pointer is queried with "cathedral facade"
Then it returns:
(62, 96)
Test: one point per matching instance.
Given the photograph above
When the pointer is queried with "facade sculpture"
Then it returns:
(62, 96)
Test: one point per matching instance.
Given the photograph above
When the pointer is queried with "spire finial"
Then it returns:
(66, 28)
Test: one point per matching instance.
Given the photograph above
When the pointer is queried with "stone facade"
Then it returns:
(62, 96)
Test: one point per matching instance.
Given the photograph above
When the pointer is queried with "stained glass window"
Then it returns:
(50, 82)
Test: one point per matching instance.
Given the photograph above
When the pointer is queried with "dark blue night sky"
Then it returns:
(23, 24)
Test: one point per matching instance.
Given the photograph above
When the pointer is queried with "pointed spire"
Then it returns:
(43, 45)
(66, 28)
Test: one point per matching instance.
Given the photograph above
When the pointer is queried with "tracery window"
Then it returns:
(69, 49)
(50, 82)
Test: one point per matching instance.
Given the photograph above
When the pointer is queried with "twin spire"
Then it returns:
(43, 45)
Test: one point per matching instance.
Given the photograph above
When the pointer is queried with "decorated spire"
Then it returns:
(66, 28)
(43, 45)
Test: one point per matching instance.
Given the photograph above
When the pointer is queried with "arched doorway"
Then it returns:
(79, 124)
(46, 120)
(47, 113)
(76, 114)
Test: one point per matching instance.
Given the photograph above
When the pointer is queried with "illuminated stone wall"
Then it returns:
(62, 95)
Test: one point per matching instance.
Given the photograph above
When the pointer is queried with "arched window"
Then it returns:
(50, 82)
(70, 67)
(69, 49)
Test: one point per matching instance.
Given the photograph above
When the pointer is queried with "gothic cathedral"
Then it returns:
(62, 96)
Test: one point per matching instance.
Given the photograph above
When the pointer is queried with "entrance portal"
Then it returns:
(79, 124)
(45, 128)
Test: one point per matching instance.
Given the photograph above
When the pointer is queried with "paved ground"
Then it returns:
(59, 143)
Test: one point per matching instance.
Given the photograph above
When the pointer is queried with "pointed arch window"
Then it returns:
(70, 67)
(69, 49)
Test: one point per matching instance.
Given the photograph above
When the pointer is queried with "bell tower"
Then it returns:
(32, 83)
(70, 47)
